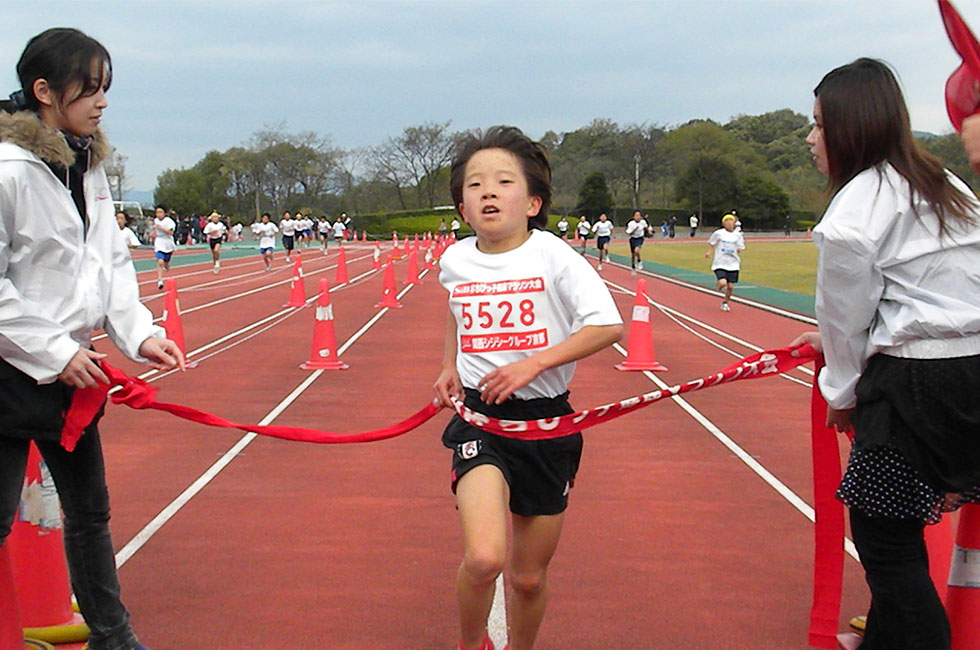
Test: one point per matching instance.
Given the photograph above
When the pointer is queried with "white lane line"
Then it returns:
(781, 488)
(497, 621)
(165, 515)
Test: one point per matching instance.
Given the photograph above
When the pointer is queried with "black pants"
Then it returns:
(80, 479)
(905, 613)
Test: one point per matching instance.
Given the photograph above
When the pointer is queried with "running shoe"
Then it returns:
(640, 265)
(725, 307)
(159, 284)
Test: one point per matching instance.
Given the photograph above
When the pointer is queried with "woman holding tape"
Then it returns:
(898, 306)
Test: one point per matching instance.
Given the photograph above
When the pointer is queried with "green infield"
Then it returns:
(781, 273)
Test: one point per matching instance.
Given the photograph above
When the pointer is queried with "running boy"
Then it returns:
(726, 242)
(288, 226)
(215, 231)
(523, 308)
(603, 229)
(163, 241)
(266, 232)
(636, 229)
(583, 229)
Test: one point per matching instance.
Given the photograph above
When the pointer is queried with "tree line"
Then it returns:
(757, 164)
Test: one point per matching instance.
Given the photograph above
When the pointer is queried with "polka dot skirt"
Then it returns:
(880, 482)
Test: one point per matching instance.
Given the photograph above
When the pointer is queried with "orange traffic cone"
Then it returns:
(939, 547)
(324, 352)
(363, 235)
(388, 298)
(297, 288)
(11, 632)
(171, 316)
(963, 593)
(640, 355)
(37, 555)
(413, 269)
(341, 267)
(376, 264)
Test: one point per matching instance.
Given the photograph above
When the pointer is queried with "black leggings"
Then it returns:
(905, 612)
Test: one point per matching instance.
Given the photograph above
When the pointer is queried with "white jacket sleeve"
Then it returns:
(29, 340)
(849, 287)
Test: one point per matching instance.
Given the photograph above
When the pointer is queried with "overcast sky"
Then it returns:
(194, 76)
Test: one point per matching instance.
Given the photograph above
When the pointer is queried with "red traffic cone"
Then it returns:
(388, 298)
(324, 352)
(11, 631)
(640, 355)
(363, 235)
(963, 593)
(341, 267)
(413, 269)
(939, 547)
(376, 264)
(37, 555)
(297, 288)
(171, 316)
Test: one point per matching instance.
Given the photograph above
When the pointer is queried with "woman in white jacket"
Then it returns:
(64, 273)
(898, 305)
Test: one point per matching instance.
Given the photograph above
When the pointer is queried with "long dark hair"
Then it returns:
(866, 123)
(63, 57)
(532, 155)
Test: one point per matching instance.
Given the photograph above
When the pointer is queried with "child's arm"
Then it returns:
(498, 385)
(448, 384)
(707, 253)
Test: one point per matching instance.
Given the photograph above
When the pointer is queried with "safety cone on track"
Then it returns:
(963, 592)
(297, 289)
(11, 632)
(171, 315)
(363, 235)
(324, 353)
(341, 267)
(388, 298)
(37, 555)
(413, 269)
(640, 355)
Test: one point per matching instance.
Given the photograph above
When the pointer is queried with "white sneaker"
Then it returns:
(725, 307)
(159, 284)
(600, 266)
(639, 265)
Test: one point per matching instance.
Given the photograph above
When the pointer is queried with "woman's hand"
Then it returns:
(812, 338)
(839, 419)
(163, 354)
(448, 386)
(83, 370)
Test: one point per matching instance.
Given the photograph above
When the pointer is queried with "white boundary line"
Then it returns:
(165, 515)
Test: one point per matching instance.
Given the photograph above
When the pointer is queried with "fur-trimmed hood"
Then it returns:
(26, 130)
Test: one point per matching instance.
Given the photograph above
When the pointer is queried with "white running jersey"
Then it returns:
(511, 305)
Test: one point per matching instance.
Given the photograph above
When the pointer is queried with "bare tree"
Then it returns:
(417, 155)
(115, 170)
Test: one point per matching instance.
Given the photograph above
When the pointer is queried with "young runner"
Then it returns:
(523, 308)
(603, 228)
(214, 232)
(323, 231)
(65, 273)
(898, 306)
(287, 225)
(562, 227)
(339, 229)
(584, 229)
(163, 241)
(636, 230)
(266, 231)
(129, 237)
(725, 243)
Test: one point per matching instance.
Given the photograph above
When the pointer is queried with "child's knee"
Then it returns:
(483, 565)
(529, 583)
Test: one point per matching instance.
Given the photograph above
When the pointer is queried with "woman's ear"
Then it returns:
(45, 95)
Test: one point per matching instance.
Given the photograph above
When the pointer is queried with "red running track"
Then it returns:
(671, 541)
